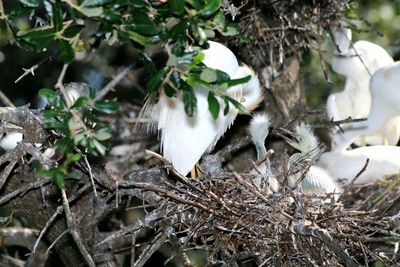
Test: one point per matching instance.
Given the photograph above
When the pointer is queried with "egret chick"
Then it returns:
(185, 139)
(358, 63)
(259, 129)
(316, 180)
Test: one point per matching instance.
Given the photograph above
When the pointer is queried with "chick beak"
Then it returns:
(288, 136)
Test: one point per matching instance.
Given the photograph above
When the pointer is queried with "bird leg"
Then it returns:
(195, 172)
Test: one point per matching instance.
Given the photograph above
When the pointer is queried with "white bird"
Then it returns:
(259, 130)
(185, 139)
(358, 63)
(385, 106)
(346, 164)
(10, 140)
(316, 180)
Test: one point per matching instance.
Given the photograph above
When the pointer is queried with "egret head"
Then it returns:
(259, 127)
(302, 138)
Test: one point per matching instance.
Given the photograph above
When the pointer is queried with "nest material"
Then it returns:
(278, 30)
(236, 222)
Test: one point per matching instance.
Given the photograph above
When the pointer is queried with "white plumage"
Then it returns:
(345, 164)
(358, 63)
(316, 180)
(185, 139)
(385, 106)
(259, 129)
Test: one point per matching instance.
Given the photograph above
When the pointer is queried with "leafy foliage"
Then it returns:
(177, 24)
(79, 128)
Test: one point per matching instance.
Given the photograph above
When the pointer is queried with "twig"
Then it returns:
(55, 241)
(48, 224)
(261, 160)
(73, 232)
(112, 83)
(158, 241)
(32, 69)
(350, 185)
(90, 175)
(59, 85)
(6, 101)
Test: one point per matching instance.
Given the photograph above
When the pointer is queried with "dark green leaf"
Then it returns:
(179, 30)
(95, 3)
(47, 93)
(234, 82)
(57, 17)
(30, 3)
(155, 81)
(65, 144)
(58, 179)
(169, 90)
(226, 108)
(138, 38)
(67, 53)
(100, 147)
(210, 7)
(187, 58)
(72, 157)
(236, 104)
(177, 7)
(39, 37)
(107, 106)
(72, 31)
(213, 105)
(189, 101)
(81, 102)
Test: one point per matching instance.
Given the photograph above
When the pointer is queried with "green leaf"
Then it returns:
(210, 7)
(30, 3)
(57, 17)
(209, 75)
(234, 82)
(169, 90)
(187, 58)
(189, 101)
(138, 38)
(177, 7)
(213, 105)
(58, 179)
(47, 94)
(71, 158)
(72, 31)
(107, 106)
(99, 147)
(154, 83)
(95, 3)
(197, 60)
(81, 102)
(40, 38)
(103, 134)
(236, 104)
(65, 144)
(67, 52)
(92, 12)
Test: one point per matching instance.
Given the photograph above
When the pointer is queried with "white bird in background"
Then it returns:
(358, 63)
(346, 164)
(259, 129)
(316, 180)
(385, 105)
(185, 139)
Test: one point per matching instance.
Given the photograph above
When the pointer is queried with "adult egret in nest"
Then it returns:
(316, 180)
(385, 106)
(185, 139)
(358, 63)
(259, 129)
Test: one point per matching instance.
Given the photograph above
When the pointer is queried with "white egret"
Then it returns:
(346, 164)
(185, 139)
(316, 180)
(259, 129)
(358, 63)
(385, 106)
